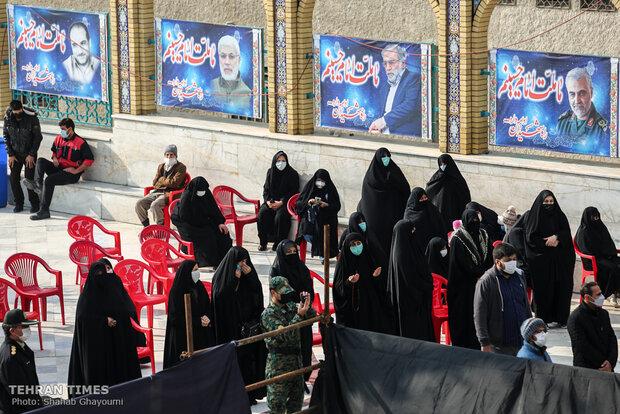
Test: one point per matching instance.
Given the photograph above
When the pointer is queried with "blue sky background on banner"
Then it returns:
(367, 95)
(203, 74)
(547, 112)
(55, 57)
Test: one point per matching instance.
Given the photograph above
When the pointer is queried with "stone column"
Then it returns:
(288, 40)
(6, 94)
(131, 23)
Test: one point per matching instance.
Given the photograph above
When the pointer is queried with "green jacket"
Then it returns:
(276, 317)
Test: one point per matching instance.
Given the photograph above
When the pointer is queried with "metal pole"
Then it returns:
(283, 377)
(188, 324)
(326, 272)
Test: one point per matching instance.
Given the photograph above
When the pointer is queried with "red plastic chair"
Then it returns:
(317, 300)
(584, 272)
(171, 208)
(208, 286)
(290, 206)
(224, 197)
(84, 253)
(496, 243)
(148, 350)
(155, 252)
(82, 228)
(4, 305)
(23, 268)
(131, 273)
(159, 232)
(440, 311)
(172, 195)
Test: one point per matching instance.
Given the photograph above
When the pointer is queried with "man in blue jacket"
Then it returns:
(400, 97)
(534, 333)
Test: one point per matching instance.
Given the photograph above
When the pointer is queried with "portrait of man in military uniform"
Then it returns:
(229, 87)
(582, 122)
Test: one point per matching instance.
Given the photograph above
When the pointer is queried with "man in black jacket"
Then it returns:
(592, 337)
(22, 137)
(18, 373)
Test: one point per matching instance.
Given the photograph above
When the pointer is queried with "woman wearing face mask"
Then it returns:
(422, 211)
(384, 194)
(187, 280)
(104, 348)
(437, 256)
(360, 289)
(282, 182)
(318, 204)
(199, 220)
(359, 225)
(448, 190)
(237, 297)
(410, 284)
(593, 239)
(534, 333)
(488, 220)
(550, 258)
(288, 264)
(470, 256)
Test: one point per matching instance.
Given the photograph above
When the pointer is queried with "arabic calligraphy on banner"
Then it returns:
(359, 88)
(44, 59)
(554, 102)
(209, 67)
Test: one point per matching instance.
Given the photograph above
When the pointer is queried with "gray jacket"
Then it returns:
(489, 307)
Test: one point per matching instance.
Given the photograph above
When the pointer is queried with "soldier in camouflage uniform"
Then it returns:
(285, 349)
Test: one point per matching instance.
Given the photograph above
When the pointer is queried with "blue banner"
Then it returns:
(209, 67)
(58, 52)
(554, 102)
(373, 86)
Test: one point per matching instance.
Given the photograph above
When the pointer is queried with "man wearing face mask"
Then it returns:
(501, 304)
(592, 337)
(71, 156)
(534, 333)
(170, 176)
(17, 365)
(22, 138)
(285, 349)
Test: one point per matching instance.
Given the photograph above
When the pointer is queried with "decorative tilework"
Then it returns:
(317, 81)
(281, 86)
(425, 88)
(613, 105)
(492, 95)
(257, 65)
(103, 50)
(454, 87)
(158, 61)
(12, 56)
(123, 47)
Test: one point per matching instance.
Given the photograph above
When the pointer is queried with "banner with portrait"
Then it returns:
(58, 52)
(209, 67)
(373, 86)
(554, 102)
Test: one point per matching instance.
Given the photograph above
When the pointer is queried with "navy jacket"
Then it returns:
(404, 118)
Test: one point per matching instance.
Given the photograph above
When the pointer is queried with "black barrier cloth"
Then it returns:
(369, 372)
(209, 382)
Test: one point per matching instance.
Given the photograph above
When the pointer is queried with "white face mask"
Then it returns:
(598, 302)
(25, 334)
(170, 161)
(541, 339)
(280, 165)
(444, 252)
(319, 184)
(480, 217)
(201, 193)
(500, 220)
(196, 276)
(510, 267)
(109, 271)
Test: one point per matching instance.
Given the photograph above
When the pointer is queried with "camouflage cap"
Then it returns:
(280, 284)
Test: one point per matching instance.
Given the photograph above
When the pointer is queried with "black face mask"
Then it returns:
(289, 297)
(474, 227)
(548, 207)
(291, 258)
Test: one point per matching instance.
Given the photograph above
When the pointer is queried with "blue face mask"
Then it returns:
(357, 250)
(443, 167)
(363, 226)
(385, 161)
(238, 267)
(64, 134)
(503, 228)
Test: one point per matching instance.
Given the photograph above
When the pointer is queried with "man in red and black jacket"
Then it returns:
(71, 156)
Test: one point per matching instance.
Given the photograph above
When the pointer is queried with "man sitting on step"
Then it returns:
(170, 176)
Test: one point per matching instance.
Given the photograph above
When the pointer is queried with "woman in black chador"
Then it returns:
(448, 190)
(237, 297)
(593, 238)
(488, 221)
(200, 221)
(410, 284)
(384, 195)
(421, 210)
(471, 254)
(437, 256)
(359, 225)
(282, 182)
(104, 342)
(187, 280)
(318, 204)
(360, 296)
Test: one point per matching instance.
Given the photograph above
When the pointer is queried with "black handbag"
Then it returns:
(251, 328)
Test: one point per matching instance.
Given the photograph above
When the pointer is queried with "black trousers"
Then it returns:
(15, 179)
(55, 176)
(273, 225)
